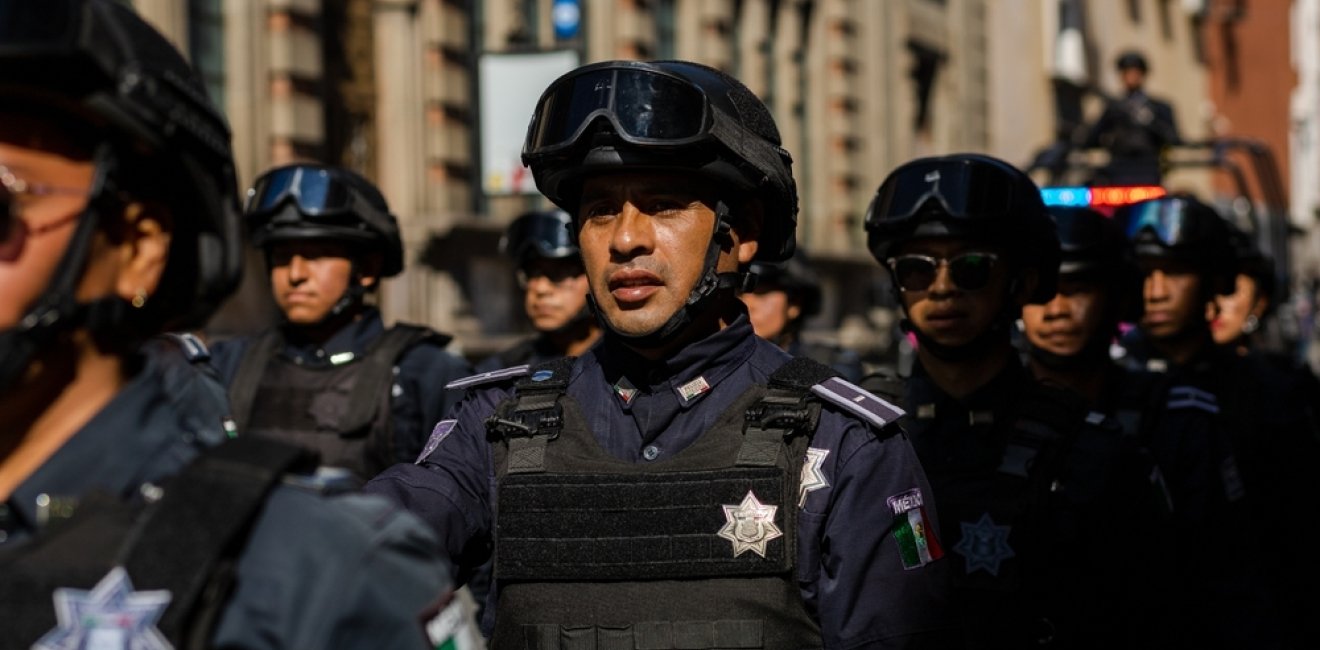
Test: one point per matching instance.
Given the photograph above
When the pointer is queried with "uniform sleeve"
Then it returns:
(451, 487)
(225, 357)
(422, 399)
(866, 590)
(346, 572)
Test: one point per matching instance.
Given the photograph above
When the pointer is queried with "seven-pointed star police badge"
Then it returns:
(111, 615)
(812, 478)
(984, 544)
(750, 525)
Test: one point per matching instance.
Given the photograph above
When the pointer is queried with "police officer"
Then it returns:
(1134, 128)
(785, 296)
(730, 497)
(1033, 496)
(1070, 334)
(119, 527)
(331, 377)
(1238, 316)
(1238, 448)
(554, 286)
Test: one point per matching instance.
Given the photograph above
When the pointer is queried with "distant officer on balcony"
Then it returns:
(1135, 128)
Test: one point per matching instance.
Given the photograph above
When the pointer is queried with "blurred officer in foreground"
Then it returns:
(544, 247)
(1071, 333)
(733, 497)
(1236, 446)
(331, 377)
(121, 524)
(1036, 501)
(1134, 128)
(785, 296)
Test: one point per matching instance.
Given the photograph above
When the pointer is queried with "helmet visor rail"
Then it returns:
(961, 189)
(645, 107)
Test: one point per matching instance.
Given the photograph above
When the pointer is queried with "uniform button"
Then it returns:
(651, 452)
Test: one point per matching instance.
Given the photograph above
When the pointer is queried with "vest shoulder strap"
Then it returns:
(194, 350)
(247, 379)
(533, 416)
(376, 371)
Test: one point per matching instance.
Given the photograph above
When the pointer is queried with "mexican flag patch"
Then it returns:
(917, 544)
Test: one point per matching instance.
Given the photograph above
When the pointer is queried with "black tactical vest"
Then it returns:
(596, 552)
(342, 412)
(186, 542)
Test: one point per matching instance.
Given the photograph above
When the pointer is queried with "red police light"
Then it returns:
(1117, 196)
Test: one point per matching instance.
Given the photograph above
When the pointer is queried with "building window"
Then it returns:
(206, 46)
(665, 47)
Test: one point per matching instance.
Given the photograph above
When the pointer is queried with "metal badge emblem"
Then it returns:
(750, 525)
(985, 545)
(692, 389)
(111, 615)
(812, 478)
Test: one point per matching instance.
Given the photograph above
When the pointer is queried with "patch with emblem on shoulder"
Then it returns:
(858, 401)
(917, 543)
(489, 377)
(1191, 397)
(110, 615)
(438, 434)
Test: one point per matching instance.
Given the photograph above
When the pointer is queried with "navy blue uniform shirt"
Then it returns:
(350, 571)
(419, 395)
(849, 569)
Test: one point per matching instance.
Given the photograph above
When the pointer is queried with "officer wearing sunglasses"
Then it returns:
(1236, 438)
(331, 377)
(126, 518)
(554, 285)
(683, 483)
(1032, 497)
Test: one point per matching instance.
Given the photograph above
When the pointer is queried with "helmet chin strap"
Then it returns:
(58, 310)
(698, 300)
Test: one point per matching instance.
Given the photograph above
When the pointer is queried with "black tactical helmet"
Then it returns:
(1089, 241)
(795, 277)
(96, 61)
(1131, 59)
(312, 201)
(1254, 264)
(600, 118)
(967, 196)
(546, 234)
(1179, 227)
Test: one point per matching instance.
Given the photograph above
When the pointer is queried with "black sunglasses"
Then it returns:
(969, 271)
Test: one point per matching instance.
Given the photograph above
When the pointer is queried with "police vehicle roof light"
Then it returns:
(1094, 197)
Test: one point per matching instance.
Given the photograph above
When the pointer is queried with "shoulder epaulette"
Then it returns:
(491, 377)
(857, 401)
(194, 350)
(1191, 397)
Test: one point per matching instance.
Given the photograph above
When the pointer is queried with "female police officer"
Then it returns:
(118, 527)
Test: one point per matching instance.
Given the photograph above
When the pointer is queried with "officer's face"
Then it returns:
(1133, 78)
(1172, 297)
(944, 312)
(1075, 317)
(308, 277)
(1231, 311)
(38, 223)
(554, 292)
(644, 239)
(770, 310)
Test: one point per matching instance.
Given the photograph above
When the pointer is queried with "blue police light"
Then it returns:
(1072, 197)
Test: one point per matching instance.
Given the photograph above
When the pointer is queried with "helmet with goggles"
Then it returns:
(1181, 228)
(669, 116)
(310, 201)
(971, 197)
(545, 234)
(95, 62)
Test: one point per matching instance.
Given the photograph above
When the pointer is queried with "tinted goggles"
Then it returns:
(314, 191)
(969, 271)
(962, 188)
(1166, 219)
(539, 237)
(645, 107)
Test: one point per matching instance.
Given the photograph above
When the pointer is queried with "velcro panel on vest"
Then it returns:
(638, 526)
(647, 635)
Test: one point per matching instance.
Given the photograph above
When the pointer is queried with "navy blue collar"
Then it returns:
(349, 343)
